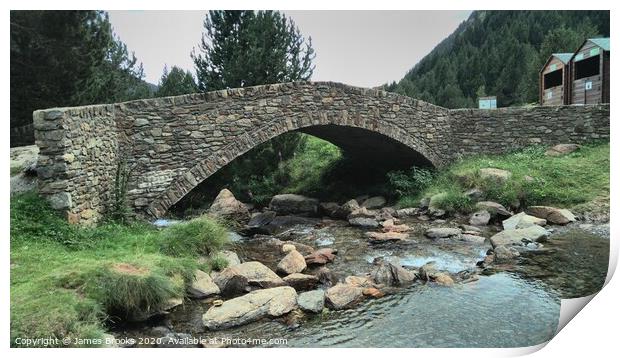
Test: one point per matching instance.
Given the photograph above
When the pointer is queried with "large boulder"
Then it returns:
(293, 262)
(561, 149)
(272, 302)
(519, 237)
(480, 218)
(347, 208)
(494, 174)
(293, 204)
(202, 286)
(551, 214)
(522, 220)
(301, 282)
(259, 222)
(282, 223)
(311, 301)
(321, 256)
(362, 217)
(374, 202)
(343, 296)
(442, 232)
(253, 273)
(388, 274)
(493, 208)
(226, 206)
(330, 209)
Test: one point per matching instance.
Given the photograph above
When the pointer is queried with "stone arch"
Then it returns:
(206, 167)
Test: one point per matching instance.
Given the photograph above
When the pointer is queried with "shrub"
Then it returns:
(411, 182)
(199, 236)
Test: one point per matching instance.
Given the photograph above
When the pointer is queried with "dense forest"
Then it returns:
(498, 53)
(69, 58)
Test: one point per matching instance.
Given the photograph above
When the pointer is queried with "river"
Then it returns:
(509, 306)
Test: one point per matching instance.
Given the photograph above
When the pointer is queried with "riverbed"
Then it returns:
(511, 305)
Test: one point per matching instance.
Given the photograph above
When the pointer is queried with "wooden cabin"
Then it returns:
(555, 81)
(590, 72)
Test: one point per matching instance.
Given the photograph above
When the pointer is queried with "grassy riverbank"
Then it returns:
(68, 281)
(573, 179)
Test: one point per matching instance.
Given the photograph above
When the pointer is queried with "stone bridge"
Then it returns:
(174, 143)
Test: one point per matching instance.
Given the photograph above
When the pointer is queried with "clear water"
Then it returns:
(511, 306)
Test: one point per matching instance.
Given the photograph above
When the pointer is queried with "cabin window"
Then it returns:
(553, 79)
(588, 67)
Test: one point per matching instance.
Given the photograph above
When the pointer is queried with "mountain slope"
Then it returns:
(498, 53)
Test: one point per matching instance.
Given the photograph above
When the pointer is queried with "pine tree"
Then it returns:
(247, 48)
(176, 82)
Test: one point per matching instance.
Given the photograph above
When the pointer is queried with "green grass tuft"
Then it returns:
(199, 236)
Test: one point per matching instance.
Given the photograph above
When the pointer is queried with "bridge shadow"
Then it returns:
(366, 157)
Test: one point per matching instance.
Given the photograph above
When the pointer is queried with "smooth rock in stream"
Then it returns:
(321, 256)
(359, 281)
(363, 217)
(301, 282)
(271, 302)
(522, 220)
(227, 206)
(480, 218)
(551, 214)
(519, 237)
(386, 273)
(281, 223)
(343, 296)
(390, 225)
(374, 202)
(442, 232)
(293, 204)
(407, 212)
(472, 238)
(258, 222)
(312, 301)
(202, 286)
(493, 208)
(293, 262)
(471, 229)
(373, 292)
(253, 273)
(377, 237)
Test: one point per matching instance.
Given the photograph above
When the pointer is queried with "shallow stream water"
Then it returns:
(509, 306)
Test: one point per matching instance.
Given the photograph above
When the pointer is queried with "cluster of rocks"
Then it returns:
(258, 292)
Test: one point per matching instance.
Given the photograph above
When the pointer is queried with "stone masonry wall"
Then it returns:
(173, 143)
(480, 131)
(77, 159)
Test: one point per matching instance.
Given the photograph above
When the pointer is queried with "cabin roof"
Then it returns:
(564, 57)
(602, 42)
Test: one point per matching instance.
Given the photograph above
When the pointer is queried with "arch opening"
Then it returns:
(360, 168)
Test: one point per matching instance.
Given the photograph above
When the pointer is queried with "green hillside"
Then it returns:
(498, 53)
